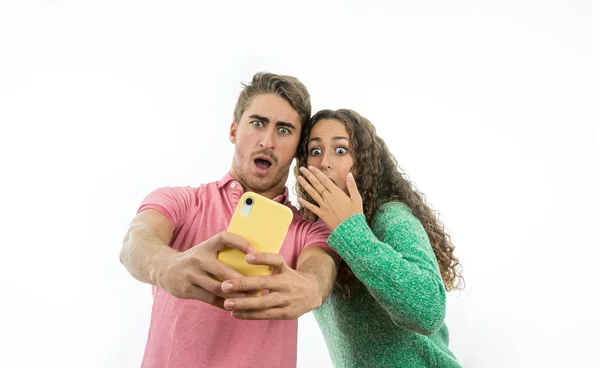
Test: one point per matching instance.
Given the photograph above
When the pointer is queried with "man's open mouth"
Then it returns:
(262, 163)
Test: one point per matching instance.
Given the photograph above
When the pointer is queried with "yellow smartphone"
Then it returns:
(262, 222)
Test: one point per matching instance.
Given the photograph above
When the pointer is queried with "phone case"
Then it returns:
(264, 225)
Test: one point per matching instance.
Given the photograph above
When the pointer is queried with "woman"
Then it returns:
(389, 304)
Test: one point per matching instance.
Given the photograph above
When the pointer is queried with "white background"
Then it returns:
(491, 107)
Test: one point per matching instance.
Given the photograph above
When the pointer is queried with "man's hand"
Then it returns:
(187, 275)
(291, 293)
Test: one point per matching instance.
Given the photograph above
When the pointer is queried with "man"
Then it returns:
(173, 243)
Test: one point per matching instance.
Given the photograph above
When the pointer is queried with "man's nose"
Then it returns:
(268, 140)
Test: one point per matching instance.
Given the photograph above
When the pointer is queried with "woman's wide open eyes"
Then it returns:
(315, 151)
(339, 151)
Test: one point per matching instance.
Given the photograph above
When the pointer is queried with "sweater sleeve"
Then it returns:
(396, 263)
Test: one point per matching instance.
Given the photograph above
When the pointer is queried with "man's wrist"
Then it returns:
(315, 293)
(158, 265)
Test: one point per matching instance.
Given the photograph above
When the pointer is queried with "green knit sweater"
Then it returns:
(395, 314)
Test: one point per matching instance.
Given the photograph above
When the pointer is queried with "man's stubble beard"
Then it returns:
(256, 184)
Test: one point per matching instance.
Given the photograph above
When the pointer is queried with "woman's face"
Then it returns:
(329, 150)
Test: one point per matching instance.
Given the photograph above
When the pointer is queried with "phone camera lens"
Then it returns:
(249, 201)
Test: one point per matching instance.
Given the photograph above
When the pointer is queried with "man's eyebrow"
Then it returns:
(286, 124)
(258, 117)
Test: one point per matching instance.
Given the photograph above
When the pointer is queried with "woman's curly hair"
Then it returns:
(380, 180)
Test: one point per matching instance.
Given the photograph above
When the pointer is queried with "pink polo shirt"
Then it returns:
(189, 333)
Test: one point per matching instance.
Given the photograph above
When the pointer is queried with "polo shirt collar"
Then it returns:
(228, 178)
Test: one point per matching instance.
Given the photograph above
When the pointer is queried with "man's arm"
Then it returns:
(322, 265)
(187, 275)
(292, 293)
(146, 245)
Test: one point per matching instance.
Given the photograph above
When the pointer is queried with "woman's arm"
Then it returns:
(397, 264)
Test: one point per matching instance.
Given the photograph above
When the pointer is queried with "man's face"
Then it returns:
(265, 138)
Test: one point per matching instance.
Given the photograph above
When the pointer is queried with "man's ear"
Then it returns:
(233, 132)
